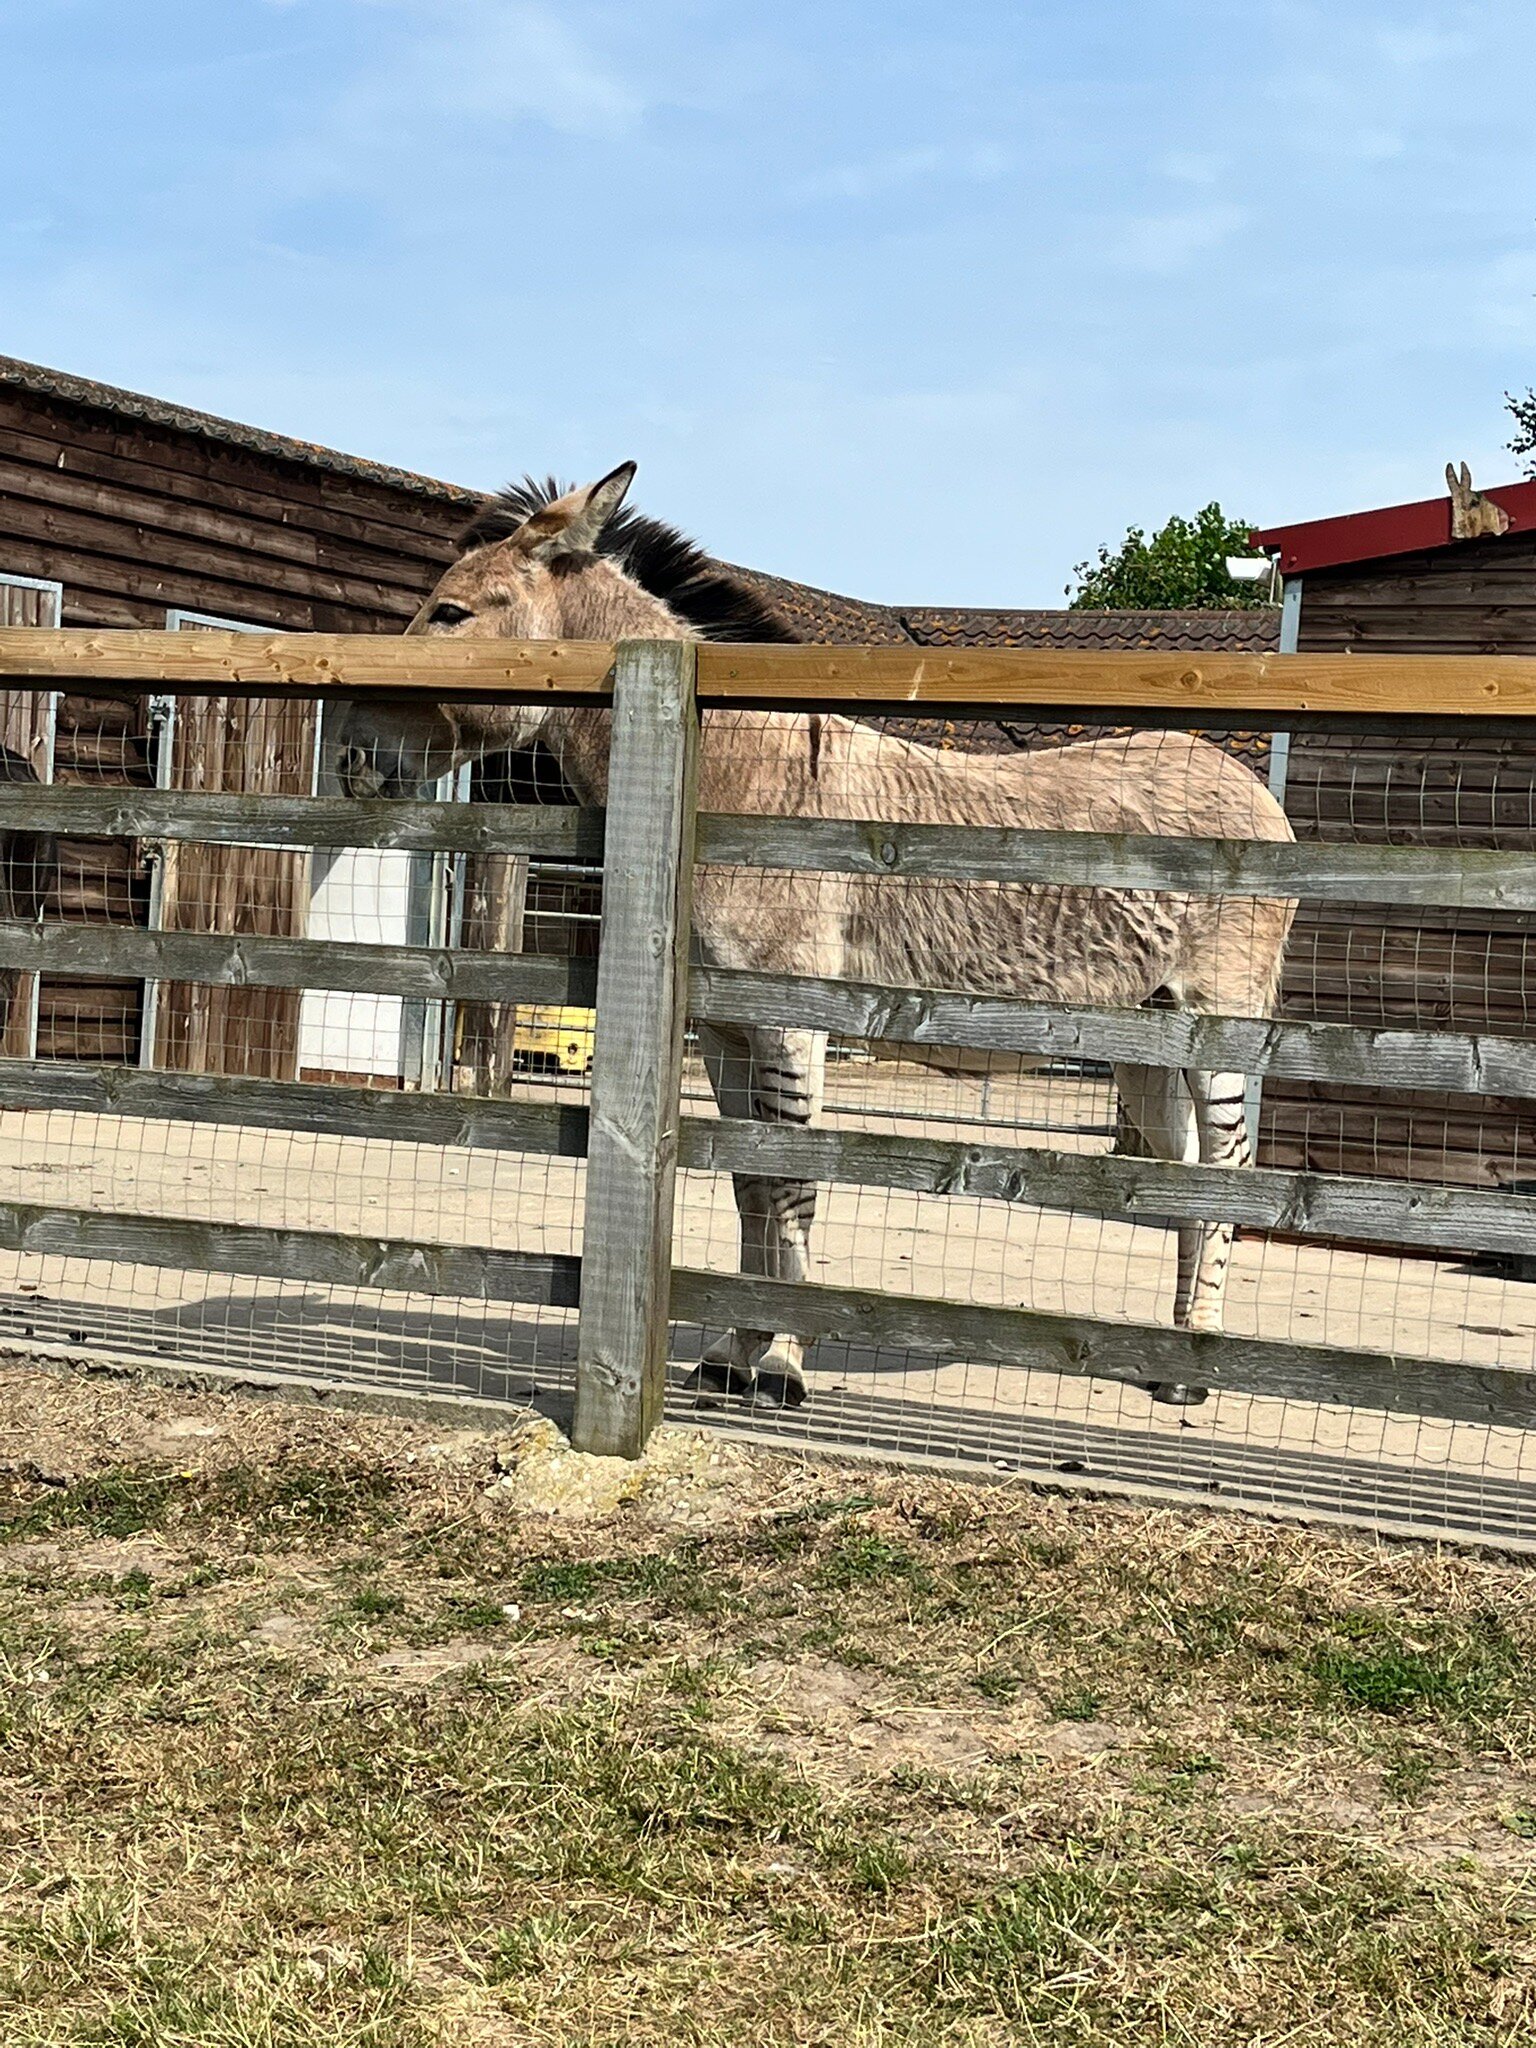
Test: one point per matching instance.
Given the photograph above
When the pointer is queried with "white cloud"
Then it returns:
(980, 163)
(1163, 243)
(1192, 167)
(482, 61)
(1421, 45)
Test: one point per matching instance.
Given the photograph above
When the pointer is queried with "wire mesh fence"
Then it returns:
(991, 1170)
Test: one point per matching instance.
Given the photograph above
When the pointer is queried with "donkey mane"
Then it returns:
(708, 599)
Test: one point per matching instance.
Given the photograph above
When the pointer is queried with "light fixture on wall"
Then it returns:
(1255, 569)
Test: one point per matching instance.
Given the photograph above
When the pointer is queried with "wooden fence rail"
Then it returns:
(1123, 1189)
(1033, 1340)
(553, 832)
(1470, 1063)
(1452, 877)
(1459, 1062)
(238, 961)
(1202, 688)
(318, 1257)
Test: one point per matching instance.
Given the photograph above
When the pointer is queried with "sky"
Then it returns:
(912, 300)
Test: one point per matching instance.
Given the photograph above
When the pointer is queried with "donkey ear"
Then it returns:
(574, 523)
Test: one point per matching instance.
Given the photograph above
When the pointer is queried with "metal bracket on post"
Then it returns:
(637, 1062)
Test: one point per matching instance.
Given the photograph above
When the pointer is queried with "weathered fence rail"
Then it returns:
(226, 960)
(1128, 1189)
(634, 1137)
(1446, 1060)
(1473, 879)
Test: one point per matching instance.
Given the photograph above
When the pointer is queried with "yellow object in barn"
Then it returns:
(546, 1036)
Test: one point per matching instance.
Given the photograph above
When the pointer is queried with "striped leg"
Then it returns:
(1159, 1103)
(1220, 1103)
(773, 1077)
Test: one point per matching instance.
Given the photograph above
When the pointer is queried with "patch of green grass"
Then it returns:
(109, 1504)
(697, 1681)
(533, 1944)
(1077, 1706)
(374, 1603)
(261, 1505)
(294, 1500)
(993, 1957)
(475, 1613)
(862, 1559)
(878, 1866)
(999, 1682)
(667, 1578)
(1394, 1679)
(558, 1578)
(150, 1987)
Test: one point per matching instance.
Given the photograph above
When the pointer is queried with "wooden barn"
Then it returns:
(121, 510)
(1448, 575)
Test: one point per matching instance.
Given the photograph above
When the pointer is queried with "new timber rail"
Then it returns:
(634, 1137)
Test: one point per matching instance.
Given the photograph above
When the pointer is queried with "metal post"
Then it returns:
(1279, 769)
(638, 1053)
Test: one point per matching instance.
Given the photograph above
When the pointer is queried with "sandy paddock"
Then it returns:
(958, 1248)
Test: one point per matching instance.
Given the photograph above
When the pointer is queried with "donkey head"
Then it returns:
(521, 587)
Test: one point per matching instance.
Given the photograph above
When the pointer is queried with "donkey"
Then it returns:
(544, 564)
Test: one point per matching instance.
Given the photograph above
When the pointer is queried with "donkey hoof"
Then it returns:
(1174, 1394)
(712, 1380)
(781, 1390)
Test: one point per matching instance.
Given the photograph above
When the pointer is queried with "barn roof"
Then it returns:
(1415, 529)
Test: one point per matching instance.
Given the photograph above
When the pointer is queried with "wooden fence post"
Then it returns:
(638, 1056)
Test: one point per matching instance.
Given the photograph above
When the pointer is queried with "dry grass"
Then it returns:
(315, 1732)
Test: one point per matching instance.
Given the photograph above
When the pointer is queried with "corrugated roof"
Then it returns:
(181, 419)
(1415, 529)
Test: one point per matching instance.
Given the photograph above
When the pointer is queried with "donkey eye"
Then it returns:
(448, 615)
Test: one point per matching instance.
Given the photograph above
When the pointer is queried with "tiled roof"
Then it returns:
(822, 615)
(1231, 631)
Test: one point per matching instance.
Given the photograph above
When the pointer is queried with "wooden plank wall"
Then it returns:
(135, 519)
(1451, 969)
(260, 748)
(24, 730)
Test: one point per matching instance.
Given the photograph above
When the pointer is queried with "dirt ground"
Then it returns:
(956, 1248)
(324, 1728)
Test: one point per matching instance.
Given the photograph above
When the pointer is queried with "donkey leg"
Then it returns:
(1158, 1102)
(776, 1218)
(773, 1077)
(725, 1367)
(788, 1081)
(1221, 1117)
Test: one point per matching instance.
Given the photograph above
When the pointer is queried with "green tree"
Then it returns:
(1522, 411)
(1182, 565)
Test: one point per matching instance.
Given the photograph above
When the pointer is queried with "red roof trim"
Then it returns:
(1392, 530)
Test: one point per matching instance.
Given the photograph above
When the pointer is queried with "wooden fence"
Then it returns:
(633, 1136)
